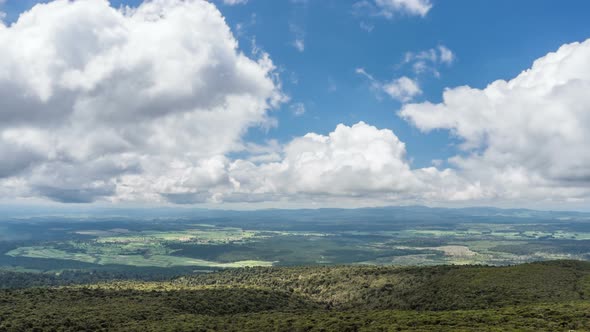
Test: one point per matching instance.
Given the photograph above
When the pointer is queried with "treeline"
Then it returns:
(16, 280)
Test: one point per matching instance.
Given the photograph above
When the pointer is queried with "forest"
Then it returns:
(542, 296)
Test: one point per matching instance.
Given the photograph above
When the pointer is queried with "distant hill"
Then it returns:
(546, 296)
(409, 212)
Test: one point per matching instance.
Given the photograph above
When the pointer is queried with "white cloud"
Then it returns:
(350, 160)
(403, 89)
(389, 9)
(298, 109)
(299, 45)
(299, 35)
(429, 60)
(359, 161)
(368, 27)
(242, 28)
(148, 104)
(410, 7)
(446, 55)
(97, 102)
(234, 2)
(363, 72)
(525, 142)
(524, 138)
(2, 13)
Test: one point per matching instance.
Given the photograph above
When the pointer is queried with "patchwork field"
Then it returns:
(144, 248)
(131, 260)
(291, 238)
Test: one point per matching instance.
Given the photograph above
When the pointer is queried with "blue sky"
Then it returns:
(319, 48)
(491, 40)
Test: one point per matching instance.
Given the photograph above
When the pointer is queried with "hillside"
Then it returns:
(549, 296)
(409, 288)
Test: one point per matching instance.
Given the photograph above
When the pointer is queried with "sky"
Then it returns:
(295, 103)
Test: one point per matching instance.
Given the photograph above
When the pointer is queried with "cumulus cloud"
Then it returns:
(352, 161)
(358, 162)
(524, 140)
(95, 100)
(151, 104)
(526, 137)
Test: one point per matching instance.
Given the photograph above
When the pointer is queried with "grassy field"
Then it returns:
(132, 260)
(207, 235)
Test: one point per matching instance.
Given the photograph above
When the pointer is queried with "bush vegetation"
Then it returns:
(548, 296)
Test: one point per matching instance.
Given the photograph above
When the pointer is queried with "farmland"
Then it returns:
(293, 238)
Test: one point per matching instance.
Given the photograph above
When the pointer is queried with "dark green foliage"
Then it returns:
(424, 288)
(94, 309)
(15, 280)
(549, 296)
(573, 316)
(575, 247)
